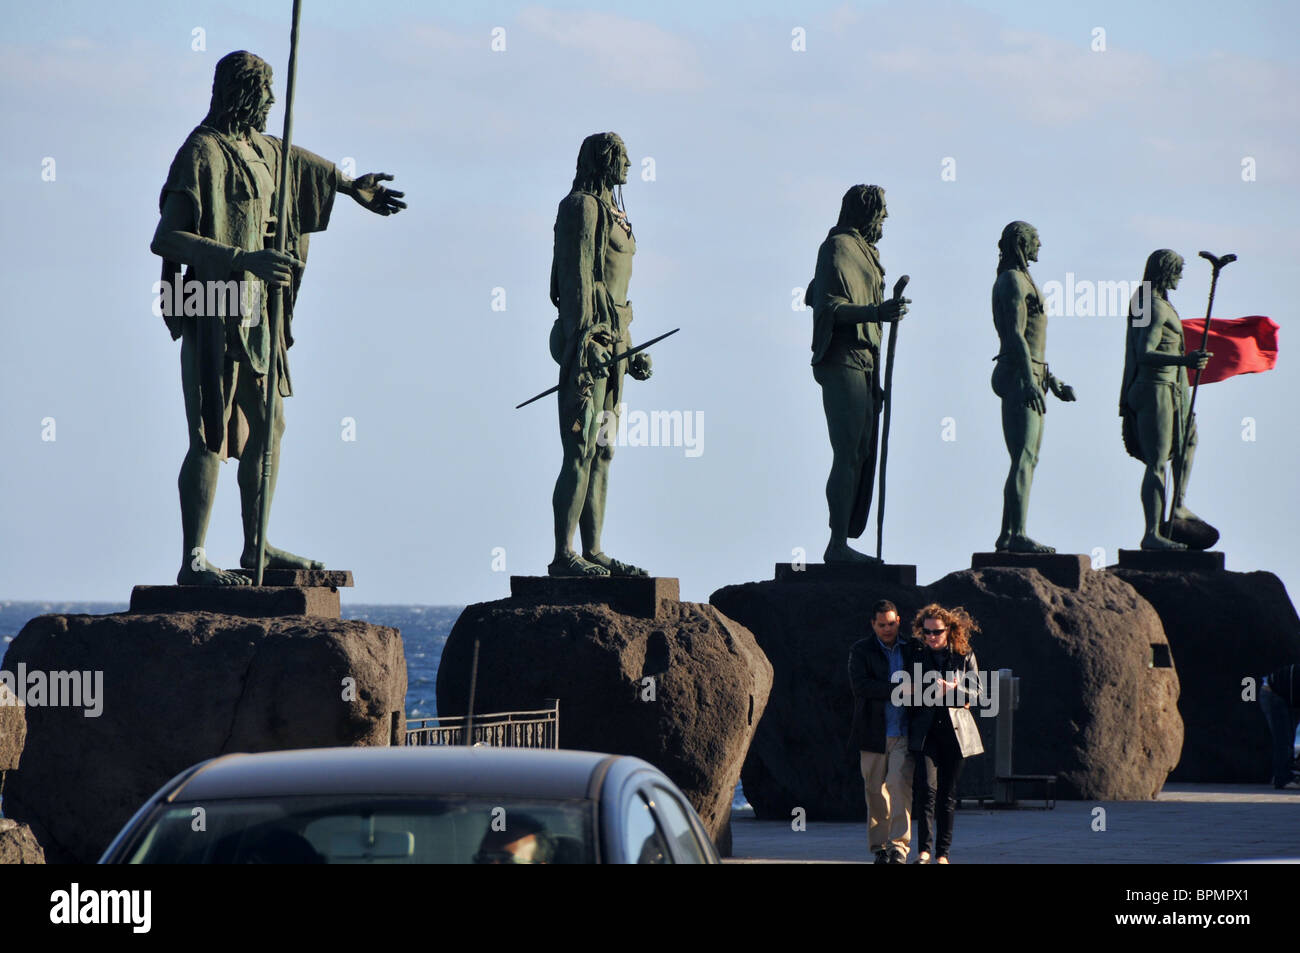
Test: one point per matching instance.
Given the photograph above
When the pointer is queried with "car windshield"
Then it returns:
(347, 829)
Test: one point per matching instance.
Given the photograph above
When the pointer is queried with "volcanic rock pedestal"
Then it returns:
(13, 732)
(1097, 696)
(175, 688)
(1066, 570)
(1223, 628)
(18, 844)
(677, 684)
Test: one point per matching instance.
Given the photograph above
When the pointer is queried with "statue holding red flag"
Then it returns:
(1238, 345)
(1158, 412)
(1158, 425)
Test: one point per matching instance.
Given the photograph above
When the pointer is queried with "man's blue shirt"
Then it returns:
(893, 713)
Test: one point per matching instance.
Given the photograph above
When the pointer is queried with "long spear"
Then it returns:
(889, 404)
(1216, 265)
(278, 302)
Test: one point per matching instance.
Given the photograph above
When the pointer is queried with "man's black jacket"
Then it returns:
(869, 678)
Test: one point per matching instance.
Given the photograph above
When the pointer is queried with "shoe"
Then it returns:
(882, 857)
(922, 858)
(1292, 785)
(897, 857)
(941, 859)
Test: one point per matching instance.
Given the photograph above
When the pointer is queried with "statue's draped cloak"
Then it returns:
(1138, 375)
(849, 273)
(232, 211)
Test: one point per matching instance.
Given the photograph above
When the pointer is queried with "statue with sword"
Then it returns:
(590, 271)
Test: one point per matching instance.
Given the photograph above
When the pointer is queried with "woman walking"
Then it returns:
(941, 729)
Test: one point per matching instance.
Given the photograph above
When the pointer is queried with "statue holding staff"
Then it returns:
(846, 295)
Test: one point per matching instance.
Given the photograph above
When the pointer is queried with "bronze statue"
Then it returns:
(846, 297)
(217, 219)
(1158, 426)
(590, 271)
(1021, 378)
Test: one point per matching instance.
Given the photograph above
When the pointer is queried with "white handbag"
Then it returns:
(968, 733)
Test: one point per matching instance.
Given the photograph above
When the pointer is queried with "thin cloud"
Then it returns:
(633, 53)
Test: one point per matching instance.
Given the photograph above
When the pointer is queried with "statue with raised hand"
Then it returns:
(846, 295)
(1021, 378)
(218, 219)
(1154, 405)
(590, 271)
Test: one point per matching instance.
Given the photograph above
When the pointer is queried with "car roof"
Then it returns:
(414, 770)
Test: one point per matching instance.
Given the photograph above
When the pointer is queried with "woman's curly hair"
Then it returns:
(958, 621)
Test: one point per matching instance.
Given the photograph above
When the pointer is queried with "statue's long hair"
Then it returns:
(596, 166)
(1162, 265)
(861, 204)
(1011, 247)
(236, 91)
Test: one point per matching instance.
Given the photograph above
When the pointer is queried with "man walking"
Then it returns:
(879, 733)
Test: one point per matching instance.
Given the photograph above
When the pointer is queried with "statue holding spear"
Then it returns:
(233, 212)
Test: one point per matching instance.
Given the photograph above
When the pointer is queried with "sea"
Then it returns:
(424, 633)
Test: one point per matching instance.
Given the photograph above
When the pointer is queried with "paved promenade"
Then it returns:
(1187, 824)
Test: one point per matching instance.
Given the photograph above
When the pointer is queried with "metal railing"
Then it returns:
(503, 729)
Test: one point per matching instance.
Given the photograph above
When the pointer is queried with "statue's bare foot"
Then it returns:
(843, 553)
(571, 564)
(615, 567)
(1003, 542)
(1156, 541)
(212, 576)
(1183, 513)
(1019, 543)
(278, 559)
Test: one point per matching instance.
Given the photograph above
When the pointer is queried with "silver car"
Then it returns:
(416, 805)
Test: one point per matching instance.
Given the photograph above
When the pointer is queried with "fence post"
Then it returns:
(554, 704)
(1008, 701)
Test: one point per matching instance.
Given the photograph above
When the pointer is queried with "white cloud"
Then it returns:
(1044, 80)
(632, 53)
(1243, 239)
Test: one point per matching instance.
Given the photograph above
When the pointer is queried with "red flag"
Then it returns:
(1240, 346)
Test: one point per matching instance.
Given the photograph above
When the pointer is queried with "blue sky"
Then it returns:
(1111, 154)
